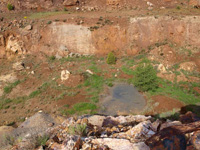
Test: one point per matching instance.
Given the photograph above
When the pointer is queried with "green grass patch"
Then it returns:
(176, 91)
(41, 140)
(94, 68)
(34, 94)
(9, 88)
(127, 70)
(78, 129)
(46, 14)
(76, 59)
(80, 108)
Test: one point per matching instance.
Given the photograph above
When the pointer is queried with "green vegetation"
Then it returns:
(34, 93)
(77, 59)
(65, 9)
(49, 22)
(186, 95)
(94, 68)
(111, 59)
(9, 139)
(145, 77)
(80, 108)
(95, 85)
(41, 140)
(52, 58)
(10, 7)
(9, 88)
(46, 14)
(172, 115)
(78, 129)
(178, 7)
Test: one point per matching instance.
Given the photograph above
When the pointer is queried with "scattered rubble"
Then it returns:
(100, 135)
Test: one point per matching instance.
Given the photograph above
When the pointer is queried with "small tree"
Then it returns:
(145, 77)
(111, 59)
(10, 7)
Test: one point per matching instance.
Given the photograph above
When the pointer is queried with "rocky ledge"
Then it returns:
(135, 132)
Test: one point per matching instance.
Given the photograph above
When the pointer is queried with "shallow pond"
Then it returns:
(123, 99)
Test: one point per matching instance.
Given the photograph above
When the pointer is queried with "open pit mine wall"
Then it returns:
(125, 39)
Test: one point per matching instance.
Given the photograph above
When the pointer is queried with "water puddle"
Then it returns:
(123, 99)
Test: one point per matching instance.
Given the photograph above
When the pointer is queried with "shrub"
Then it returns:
(111, 59)
(52, 58)
(10, 7)
(65, 9)
(34, 93)
(49, 22)
(78, 129)
(145, 77)
(41, 140)
(178, 7)
(9, 88)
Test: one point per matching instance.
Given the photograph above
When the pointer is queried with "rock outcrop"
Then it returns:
(105, 132)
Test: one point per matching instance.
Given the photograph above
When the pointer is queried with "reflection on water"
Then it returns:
(123, 99)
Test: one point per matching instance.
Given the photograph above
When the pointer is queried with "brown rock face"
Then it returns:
(194, 3)
(70, 2)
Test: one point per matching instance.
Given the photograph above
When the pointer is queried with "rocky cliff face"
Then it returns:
(123, 37)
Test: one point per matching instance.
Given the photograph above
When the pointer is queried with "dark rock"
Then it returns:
(189, 117)
(108, 122)
(168, 141)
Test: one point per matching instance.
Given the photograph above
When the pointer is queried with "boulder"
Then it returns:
(176, 142)
(120, 144)
(169, 124)
(114, 144)
(110, 120)
(28, 27)
(194, 3)
(172, 137)
(161, 68)
(65, 75)
(131, 118)
(96, 120)
(189, 117)
(40, 120)
(140, 131)
(15, 45)
(18, 66)
(70, 2)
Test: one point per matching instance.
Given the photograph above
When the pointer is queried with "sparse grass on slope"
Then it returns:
(9, 88)
(39, 15)
(188, 96)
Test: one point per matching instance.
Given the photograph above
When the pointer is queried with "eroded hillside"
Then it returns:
(54, 58)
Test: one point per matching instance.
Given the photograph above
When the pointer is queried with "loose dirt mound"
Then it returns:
(165, 104)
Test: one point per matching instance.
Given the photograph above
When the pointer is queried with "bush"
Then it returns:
(78, 129)
(49, 22)
(111, 59)
(41, 140)
(145, 77)
(10, 7)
